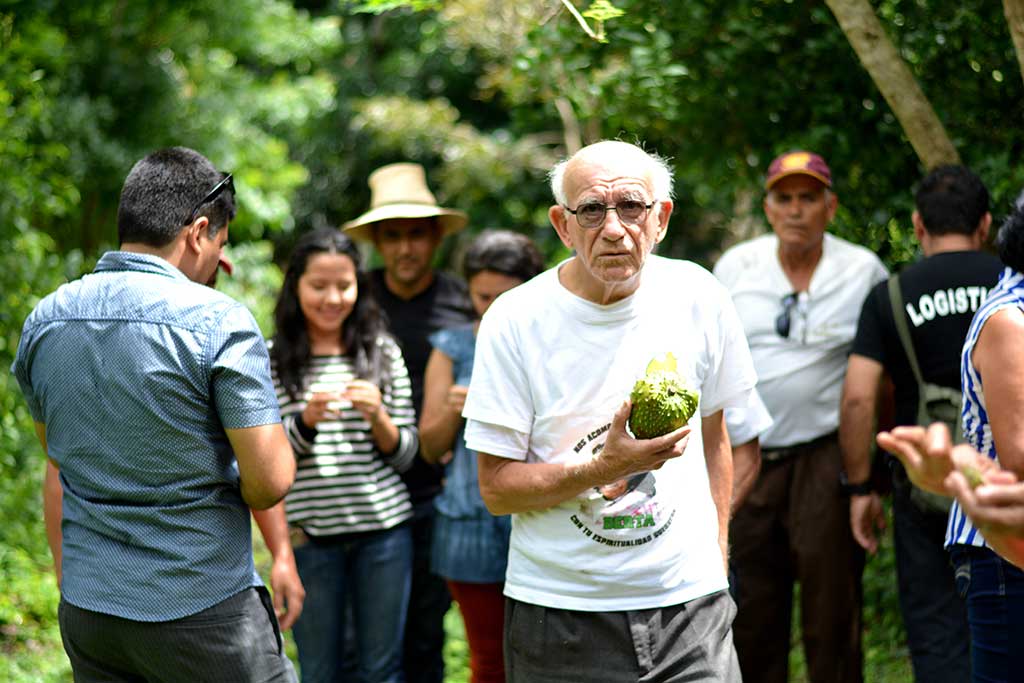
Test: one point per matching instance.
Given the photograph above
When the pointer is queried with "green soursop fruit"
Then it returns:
(661, 400)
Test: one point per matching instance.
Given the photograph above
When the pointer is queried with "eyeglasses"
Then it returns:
(783, 322)
(592, 214)
(218, 189)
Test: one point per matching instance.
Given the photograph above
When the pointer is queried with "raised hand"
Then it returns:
(995, 506)
(623, 455)
(457, 398)
(925, 453)
(321, 406)
(366, 398)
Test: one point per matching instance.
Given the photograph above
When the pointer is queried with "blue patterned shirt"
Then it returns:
(1008, 293)
(136, 371)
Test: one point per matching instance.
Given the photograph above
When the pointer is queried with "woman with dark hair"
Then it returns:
(470, 546)
(992, 376)
(346, 406)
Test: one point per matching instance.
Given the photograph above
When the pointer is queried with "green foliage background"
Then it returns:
(301, 100)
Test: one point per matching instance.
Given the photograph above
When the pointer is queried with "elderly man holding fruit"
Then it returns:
(597, 408)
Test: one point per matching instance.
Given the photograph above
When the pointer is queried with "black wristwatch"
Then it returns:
(847, 488)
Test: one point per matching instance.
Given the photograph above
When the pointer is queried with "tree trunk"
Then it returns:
(572, 135)
(1014, 11)
(891, 75)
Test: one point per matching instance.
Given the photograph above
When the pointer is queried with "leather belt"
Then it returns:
(786, 452)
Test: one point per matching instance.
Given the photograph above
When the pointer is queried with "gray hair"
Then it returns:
(659, 170)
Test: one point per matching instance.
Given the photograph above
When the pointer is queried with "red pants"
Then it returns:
(483, 612)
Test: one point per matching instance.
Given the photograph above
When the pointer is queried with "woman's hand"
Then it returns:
(926, 454)
(930, 458)
(366, 398)
(457, 398)
(996, 508)
(321, 406)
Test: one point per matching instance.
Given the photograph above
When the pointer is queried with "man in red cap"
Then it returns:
(798, 291)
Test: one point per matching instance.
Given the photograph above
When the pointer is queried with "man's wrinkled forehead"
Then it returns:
(600, 176)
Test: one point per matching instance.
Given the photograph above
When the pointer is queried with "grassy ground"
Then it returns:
(31, 652)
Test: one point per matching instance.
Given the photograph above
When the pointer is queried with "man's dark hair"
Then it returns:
(951, 199)
(505, 252)
(360, 333)
(1010, 241)
(161, 193)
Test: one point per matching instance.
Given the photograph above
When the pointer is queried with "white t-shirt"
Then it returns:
(800, 378)
(748, 422)
(550, 371)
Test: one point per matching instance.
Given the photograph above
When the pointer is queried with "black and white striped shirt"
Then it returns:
(344, 484)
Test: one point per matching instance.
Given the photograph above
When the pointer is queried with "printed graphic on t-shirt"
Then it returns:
(624, 513)
(943, 302)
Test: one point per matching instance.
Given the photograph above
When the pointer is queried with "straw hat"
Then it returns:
(400, 191)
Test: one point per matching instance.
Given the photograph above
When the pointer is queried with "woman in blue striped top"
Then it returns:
(346, 404)
(992, 378)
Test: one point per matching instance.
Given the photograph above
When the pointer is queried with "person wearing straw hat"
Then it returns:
(406, 225)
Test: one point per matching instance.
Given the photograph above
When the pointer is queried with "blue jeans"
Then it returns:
(429, 601)
(365, 576)
(994, 590)
(933, 612)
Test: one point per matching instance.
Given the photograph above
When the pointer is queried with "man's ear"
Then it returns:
(195, 232)
(833, 204)
(664, 212)
(983, 227)
(560, 221)
(919, 230)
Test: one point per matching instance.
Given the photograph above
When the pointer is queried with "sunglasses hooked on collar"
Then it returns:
(784, 321)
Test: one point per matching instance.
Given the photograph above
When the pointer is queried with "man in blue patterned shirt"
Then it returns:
(152, 397)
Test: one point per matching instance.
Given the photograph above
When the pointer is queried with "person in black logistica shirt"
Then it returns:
(406, 225)
(940, 295)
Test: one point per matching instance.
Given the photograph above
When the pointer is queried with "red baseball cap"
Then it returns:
(798, 163)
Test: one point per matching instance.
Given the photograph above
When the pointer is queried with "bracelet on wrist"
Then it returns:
(849, 488)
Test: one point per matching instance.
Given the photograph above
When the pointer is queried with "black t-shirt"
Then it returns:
(940, 296)
(445, 303)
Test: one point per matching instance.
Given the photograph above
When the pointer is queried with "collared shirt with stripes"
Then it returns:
(344, 483)
(1008, 293)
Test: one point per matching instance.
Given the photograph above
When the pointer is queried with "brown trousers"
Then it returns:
(795, 527)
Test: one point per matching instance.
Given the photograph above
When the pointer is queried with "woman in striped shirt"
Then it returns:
(346, 406)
